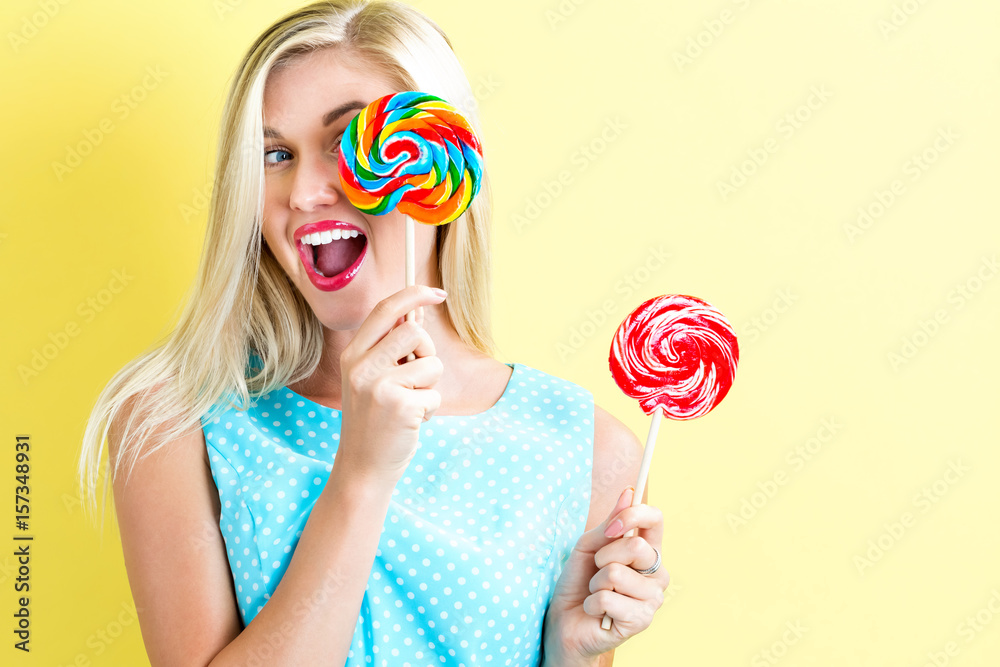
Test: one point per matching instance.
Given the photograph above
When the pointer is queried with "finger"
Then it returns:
(632, 551)
(421, 373)
(418, 316)
(388, 311)
(594, 539)
(623, 579)
(402, 340)
(429, 400)
(647, 518)
(630, 616)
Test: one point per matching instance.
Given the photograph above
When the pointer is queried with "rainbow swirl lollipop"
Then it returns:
(413, 152)
(677, 353)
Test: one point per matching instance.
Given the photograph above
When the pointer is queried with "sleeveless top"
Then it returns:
(477, 531)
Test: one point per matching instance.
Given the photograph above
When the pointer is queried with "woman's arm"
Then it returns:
(311, 617)
(175, 556)
(618, 451)
(617, 459)
(169, 515)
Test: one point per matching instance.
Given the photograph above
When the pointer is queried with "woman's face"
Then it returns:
(307, 107)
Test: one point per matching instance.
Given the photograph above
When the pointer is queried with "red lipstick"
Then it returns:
(309, 252)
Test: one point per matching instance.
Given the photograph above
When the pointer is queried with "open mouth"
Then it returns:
(331, 252)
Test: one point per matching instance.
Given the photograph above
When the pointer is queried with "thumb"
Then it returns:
(595, 538)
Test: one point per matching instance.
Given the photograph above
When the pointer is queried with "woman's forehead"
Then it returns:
(318, 83)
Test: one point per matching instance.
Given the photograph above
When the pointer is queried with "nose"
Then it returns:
(315, 183)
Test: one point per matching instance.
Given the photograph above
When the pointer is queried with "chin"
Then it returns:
(342, 312)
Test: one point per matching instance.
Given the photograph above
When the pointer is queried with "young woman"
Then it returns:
(289, 489)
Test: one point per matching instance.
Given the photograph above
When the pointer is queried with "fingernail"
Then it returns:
(439, 292)
(627, 493)
(615, 529)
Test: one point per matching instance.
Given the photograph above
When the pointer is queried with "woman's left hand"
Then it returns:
(601, 577)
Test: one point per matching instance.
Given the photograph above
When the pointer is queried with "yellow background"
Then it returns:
(671, 100)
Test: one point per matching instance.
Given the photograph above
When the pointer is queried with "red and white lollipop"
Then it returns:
(676, 353)
(677, 356)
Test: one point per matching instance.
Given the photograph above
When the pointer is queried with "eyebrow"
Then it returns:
(330, 117)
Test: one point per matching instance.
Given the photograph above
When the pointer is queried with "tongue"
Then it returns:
(333, 258)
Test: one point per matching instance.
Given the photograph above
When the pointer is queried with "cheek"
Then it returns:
(275, 219)
(427, 239)
(273, 198)
(280, 247)
(271, 236)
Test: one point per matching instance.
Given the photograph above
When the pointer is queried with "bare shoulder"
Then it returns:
(167, 508)
(617, 458)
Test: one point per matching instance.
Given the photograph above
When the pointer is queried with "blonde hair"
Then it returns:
(231, 315)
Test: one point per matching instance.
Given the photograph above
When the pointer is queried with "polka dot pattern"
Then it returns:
(476, 535)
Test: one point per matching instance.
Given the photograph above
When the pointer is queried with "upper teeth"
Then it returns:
(320, 238)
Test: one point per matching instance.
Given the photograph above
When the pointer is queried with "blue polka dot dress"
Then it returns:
(475, 537)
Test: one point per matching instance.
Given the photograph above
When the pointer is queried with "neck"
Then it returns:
(326, 380)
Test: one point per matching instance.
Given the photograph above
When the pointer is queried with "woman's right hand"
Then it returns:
(385, 402)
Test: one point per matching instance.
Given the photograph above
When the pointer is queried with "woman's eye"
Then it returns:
(278, 151)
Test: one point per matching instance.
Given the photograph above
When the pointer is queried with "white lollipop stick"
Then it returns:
(410, 272)
(640, 485)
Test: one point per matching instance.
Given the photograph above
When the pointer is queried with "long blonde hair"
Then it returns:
(256, 310)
